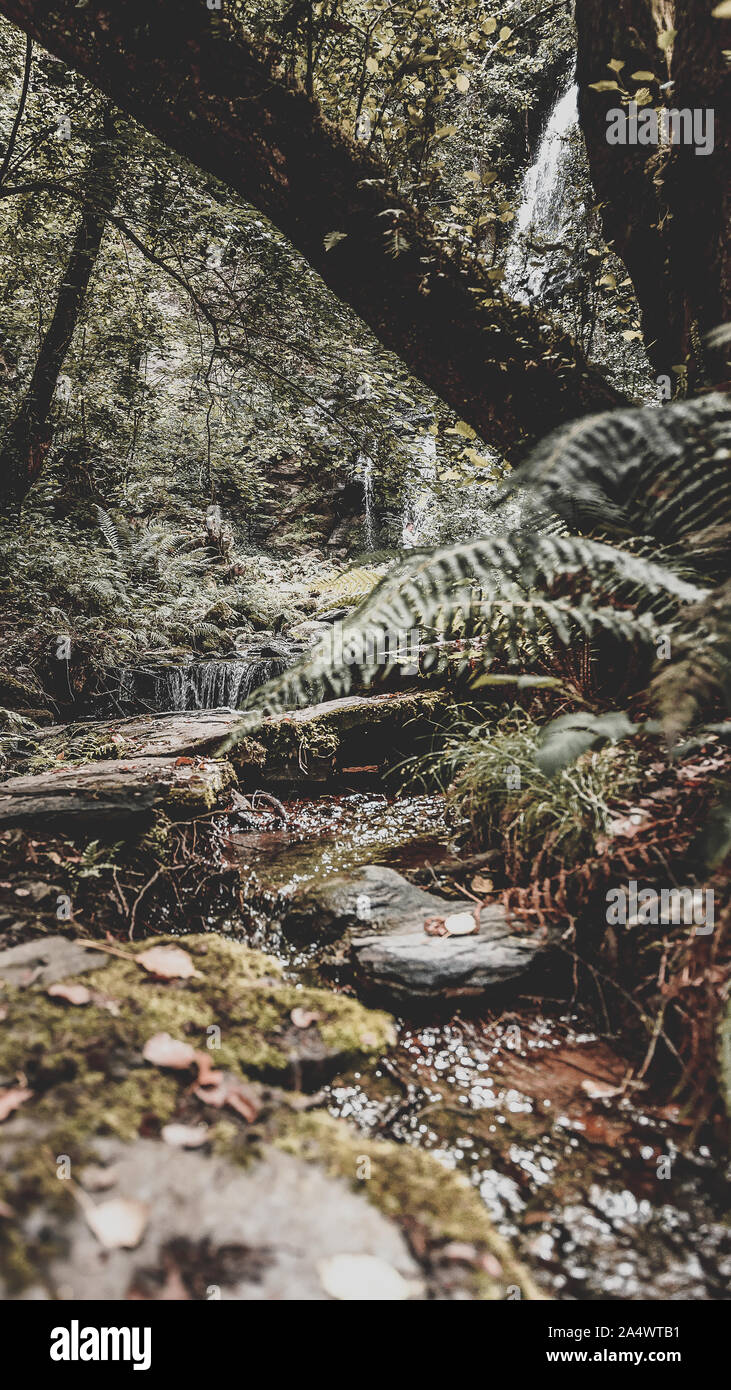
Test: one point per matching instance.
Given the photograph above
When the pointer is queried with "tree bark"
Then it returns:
(665, 209)
(198, 83)
(28, 438)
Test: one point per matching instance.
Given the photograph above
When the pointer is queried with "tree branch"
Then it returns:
(211, 93)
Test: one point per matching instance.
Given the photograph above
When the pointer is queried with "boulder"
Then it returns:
(384, 916)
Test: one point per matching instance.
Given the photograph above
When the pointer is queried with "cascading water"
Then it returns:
(419, 500)
(214, 684)
(542, 218)
(370, 530)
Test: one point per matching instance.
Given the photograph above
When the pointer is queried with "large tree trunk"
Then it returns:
(666, 210)
(201, 86)
(26, 443)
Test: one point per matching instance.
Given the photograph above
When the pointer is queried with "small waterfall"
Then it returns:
(217, 683)
(370, 529)
(420, 501)
(541, 221)
(202, 685)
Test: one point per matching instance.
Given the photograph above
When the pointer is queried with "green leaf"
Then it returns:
(562, 741)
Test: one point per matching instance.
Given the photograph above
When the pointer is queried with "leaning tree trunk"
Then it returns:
(28, 438)
(665, 209)
(193, 79)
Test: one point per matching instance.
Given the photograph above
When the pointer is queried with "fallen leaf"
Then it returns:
(184, 1136)
(480, 884)
(11, 1099)
(460, 924)
(118, 1224)
(73, 994)
(167, 963)
(354, 1278)
(232, 1093)
(600, 1090)
(163, 1051)
(302, 1018)
(184, 762)
(208, 1075)
(491, 1265)
(460, 1251)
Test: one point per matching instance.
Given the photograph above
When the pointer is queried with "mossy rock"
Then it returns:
(438, 1207)
(67, 1052)
(93, 1093)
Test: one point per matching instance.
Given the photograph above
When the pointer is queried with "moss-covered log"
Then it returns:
(196, 81)
(305, 745)
(107, 789)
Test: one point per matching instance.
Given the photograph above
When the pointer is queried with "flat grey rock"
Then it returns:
(372, 898)
(414, 965)
(383, 916)
(213, 1230)
(46, 960)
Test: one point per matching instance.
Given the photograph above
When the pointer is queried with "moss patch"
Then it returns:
(85, 1065)
(435, 1205)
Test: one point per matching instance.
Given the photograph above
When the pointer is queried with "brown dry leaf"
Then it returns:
(11, 1099)
(163, 1051)
(118, 1224)
(600, 1090)
(184, 1136)
(73, 994)
(167, 963)
(232, 1093)
(481, 884)
(302, 1018)
(207, 1073)
(184, 762)
(460, 1251)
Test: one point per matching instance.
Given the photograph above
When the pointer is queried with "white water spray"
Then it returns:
(370, 530)
(541, 217)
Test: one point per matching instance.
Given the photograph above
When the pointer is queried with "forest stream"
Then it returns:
(365, 619)
(528, 1100)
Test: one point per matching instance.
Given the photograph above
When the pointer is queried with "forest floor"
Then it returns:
(244, 1057)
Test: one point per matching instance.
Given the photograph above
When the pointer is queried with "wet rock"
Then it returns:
(384, 916)
(414, 965)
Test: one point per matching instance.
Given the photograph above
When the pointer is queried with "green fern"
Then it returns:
(662, 474)
(491, 589)
(659, 476)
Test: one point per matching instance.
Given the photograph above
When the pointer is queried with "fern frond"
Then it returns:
(664, 474)
(497, 589)
(111, 535)
(700, 673)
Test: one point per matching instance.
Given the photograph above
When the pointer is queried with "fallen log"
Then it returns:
(115, 790)
(305, 745)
